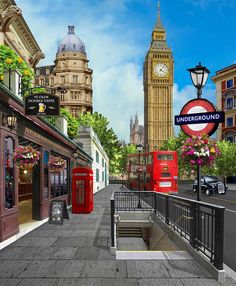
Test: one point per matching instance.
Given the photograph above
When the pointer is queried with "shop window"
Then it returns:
(97, 157)
(45, 174)
(230, 121)
(9, 173)
(59, 182)
(97, 175)
(229, 83)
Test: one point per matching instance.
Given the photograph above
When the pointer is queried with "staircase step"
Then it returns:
(129, 232)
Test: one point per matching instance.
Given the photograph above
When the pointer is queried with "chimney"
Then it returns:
(61, 124)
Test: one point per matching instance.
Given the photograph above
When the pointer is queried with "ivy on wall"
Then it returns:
(9, 60)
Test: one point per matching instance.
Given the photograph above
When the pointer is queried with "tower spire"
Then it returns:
(159, 24)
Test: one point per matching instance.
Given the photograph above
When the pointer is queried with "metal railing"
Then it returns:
(201, 224)
(117, 181)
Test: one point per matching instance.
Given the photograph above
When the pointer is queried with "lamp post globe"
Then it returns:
(199, 76)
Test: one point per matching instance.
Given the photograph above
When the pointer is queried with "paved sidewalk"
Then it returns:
(77, 253)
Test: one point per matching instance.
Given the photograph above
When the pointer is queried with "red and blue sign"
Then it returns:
(199, 116)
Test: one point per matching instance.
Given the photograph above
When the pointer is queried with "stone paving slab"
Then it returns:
(11, 252)
(77, 253)
(9, 282)
(146, 269)
(185, 268)
(36, 268)
(65, 253)
(41, 252)
(37, 282)
(160, 281)
(98, 282)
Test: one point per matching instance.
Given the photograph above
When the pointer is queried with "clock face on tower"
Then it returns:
(160, 69)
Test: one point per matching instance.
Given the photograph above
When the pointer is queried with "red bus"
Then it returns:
(153, 171)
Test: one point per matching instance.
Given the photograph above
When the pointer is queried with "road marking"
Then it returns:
(223, 200)
(230, 211)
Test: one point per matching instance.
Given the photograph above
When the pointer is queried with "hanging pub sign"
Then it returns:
(42, 104)
(199, 116)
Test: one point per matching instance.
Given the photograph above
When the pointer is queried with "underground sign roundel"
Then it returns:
(197, 106)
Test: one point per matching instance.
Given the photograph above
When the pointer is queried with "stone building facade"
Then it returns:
(26, 191)
(158, 89)
(225, 81)
(70, 72)
(136, 132)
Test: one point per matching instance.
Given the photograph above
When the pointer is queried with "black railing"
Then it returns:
(117, 181)
(201, 224)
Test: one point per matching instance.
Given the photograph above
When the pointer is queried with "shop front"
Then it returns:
(28, 186)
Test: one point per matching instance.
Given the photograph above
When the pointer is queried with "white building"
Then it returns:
(92, 146)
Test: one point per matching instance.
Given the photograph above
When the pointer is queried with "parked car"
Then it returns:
(210, 185)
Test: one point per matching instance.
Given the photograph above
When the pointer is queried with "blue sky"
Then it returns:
(117, 35)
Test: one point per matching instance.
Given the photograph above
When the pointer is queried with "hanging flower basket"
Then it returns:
(56, 164)
(26, 157)
(199, 150)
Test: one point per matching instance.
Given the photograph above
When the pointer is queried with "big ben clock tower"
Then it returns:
(158, 89)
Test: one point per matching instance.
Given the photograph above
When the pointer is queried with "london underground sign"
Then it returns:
(199, 116)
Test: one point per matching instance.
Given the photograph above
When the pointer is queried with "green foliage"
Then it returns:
(72, 123)
(106, 135)
(225, 163)
(174, 144)
(125, 151)
(10, 60)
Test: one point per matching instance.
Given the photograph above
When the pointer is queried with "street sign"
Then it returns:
(199, 116)
(42, 104)
(195, 118)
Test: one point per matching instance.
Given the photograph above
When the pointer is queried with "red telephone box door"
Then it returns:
(82, 190)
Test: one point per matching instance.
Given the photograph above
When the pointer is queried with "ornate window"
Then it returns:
(59, 182)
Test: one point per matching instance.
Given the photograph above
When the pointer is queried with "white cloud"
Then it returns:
(116, 53)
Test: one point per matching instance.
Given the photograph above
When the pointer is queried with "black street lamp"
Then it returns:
(199, 76)
(139, 148)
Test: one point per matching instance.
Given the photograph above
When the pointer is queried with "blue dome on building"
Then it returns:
(71, 43)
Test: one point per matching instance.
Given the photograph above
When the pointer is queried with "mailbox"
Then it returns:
(82, 190)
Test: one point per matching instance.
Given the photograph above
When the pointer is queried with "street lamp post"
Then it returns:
(139, 148)
(199, 76)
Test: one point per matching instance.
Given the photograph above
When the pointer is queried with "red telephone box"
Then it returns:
(82, 190)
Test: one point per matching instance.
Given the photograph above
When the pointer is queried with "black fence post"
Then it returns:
(219, 238)
(193, 222)
(167, 210)
(112, 222)
(155, 202)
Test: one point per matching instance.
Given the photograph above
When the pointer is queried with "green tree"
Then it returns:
(72, 123)
(106, 135)
(174, 144)
(225, 163)
(125, 151)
